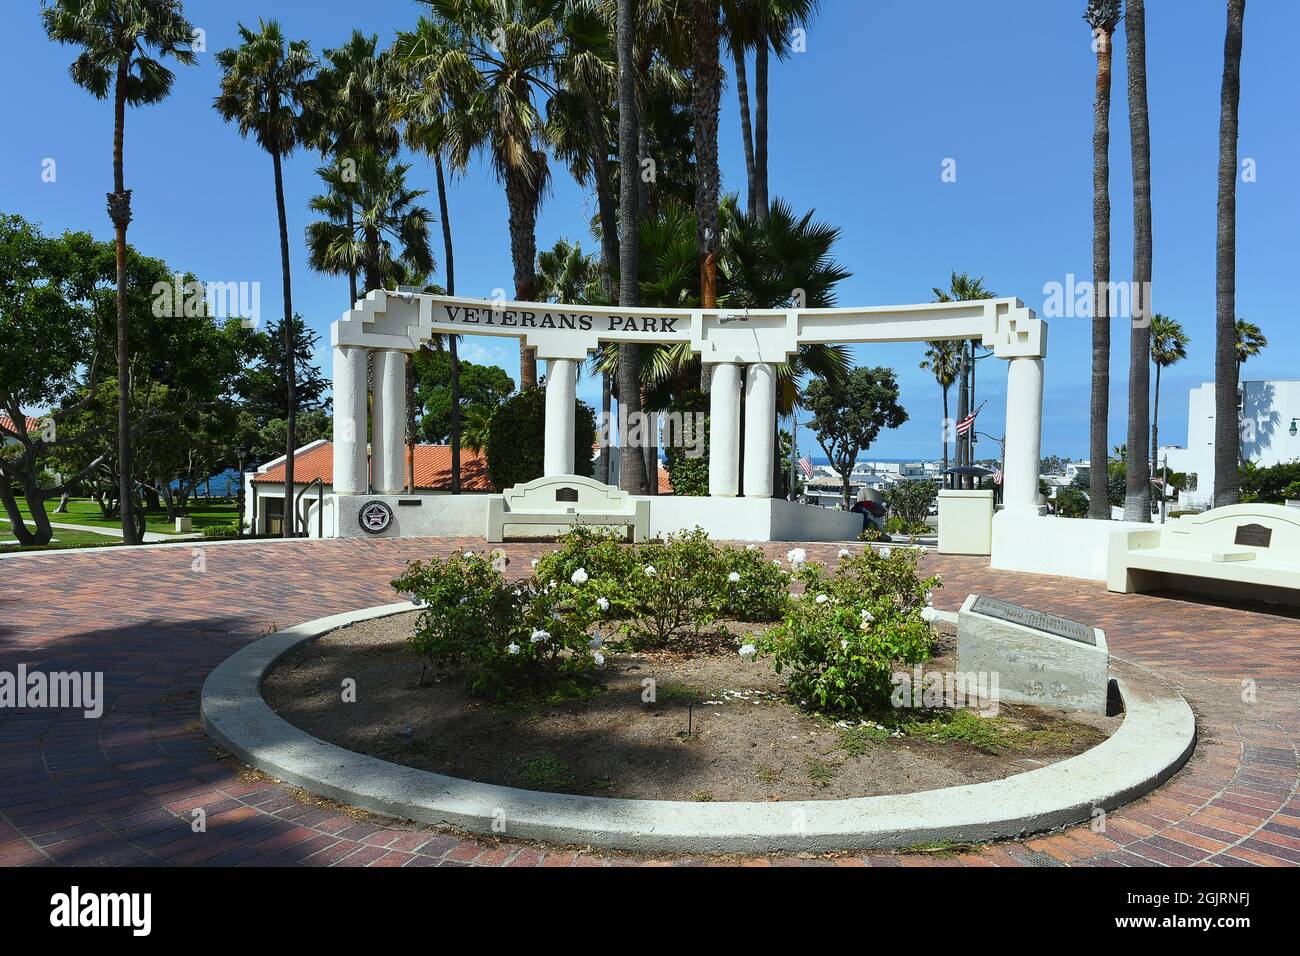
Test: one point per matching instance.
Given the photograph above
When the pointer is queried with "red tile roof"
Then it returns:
(33, 424)
(432, 468)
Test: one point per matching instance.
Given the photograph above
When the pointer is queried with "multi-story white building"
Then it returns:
(1270, 432)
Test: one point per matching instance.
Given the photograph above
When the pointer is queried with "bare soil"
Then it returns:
(719, 728)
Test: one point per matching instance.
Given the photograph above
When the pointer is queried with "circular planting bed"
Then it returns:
(697, 723)
(1157, 735)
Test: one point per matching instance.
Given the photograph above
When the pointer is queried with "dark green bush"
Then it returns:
(517, 436)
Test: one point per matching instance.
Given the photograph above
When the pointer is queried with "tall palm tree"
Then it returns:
(494, 92)
(963, 287)
(424, 106)
(763, 26)
(943, 358)
(566, 274)
(633, 476)
(1137, 495)
(353, 111)
(1227, 428)
(1168, 347)
(1102, 16)
(706, 92)
(123, 45)
(389, 237)
(266, 88)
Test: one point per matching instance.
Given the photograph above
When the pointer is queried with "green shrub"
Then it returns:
(1071, 503)
(675, 587)
(754, 588)
(604, 562)
(1292, 491)
(896, 524)
(505, 637)
(910, 501)
(228, 530)
(516, 436)
(841, 641)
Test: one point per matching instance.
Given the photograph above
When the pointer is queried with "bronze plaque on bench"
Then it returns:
(566, 494)
(1255, 535)
(1038, 620)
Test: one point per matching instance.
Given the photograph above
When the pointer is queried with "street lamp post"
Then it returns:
(240, 451)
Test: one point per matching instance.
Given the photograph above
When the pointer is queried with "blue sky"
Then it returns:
(861, 124)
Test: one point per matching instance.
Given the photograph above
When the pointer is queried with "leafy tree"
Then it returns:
(123, 45)
(849, 412)
(516, 436)
(267, 90)
(482, 387)
(260, 383)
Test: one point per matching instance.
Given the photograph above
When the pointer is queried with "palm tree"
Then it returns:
(962, 287)
(1227, 364)
(1168, 346)
(944, 359)
(424, 106)
(266, 87)
(1249, 342)
(353, 111)
(493, 91)
(389, 237)
(1137, 495)
(760, 25)
(706, 92)
(633, 476)
(1102, 16)
(123, 44)
(566, 274)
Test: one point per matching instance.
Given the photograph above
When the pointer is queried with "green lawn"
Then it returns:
(83, 511)
(62, 539)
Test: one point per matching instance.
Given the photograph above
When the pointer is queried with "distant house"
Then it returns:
(264, 490)
(7, 426)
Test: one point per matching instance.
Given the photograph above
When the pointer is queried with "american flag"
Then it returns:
(967, 423)
(806, 467)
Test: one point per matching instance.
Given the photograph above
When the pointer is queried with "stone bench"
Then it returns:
(1240, 551)
(550, 506)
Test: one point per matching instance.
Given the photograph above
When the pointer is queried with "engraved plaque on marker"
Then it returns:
(1038, 620)
(1255, 535)
(566, 494)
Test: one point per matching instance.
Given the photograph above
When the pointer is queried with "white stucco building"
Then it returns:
(1270, 432)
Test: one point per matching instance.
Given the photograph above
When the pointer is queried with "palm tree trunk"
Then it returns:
(290, 373)
(352, 269)
(1227, 429)
(632, 466)
(450, 270)
(1137, 498)
(746, 128)
(1099, 479)
(522, 198)
(606, 203)
(963, 407)
(119, 210)
(606, 400)
(945, 434)
(706, 89)
(760, 129)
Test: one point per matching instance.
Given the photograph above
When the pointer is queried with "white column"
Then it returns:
(760, 428)
(1024, 435)
(561, 397)
(388, 442)
(724, 430)
(350, 476)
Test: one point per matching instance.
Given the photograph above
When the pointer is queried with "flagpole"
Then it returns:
(794, 451)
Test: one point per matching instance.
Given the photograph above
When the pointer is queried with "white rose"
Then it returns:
(822, 599)
(844, 552)
(534, 562)
(602, 603)
(540, 635)
(650, 570)
(929, 614)
(884, 552)
(796, 556)
(748, 651)
(733, 577)
(513, 648)
(598, 657)
(579, 576)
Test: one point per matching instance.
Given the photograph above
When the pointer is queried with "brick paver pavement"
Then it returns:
(120, 789)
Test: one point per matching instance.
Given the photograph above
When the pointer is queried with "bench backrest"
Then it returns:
(564, 494)
(1271, 531)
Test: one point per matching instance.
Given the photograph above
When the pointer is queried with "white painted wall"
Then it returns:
(752, 519)
(435, 516)
(1040, 544)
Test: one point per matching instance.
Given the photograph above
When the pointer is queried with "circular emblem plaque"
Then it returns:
(375, 517)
